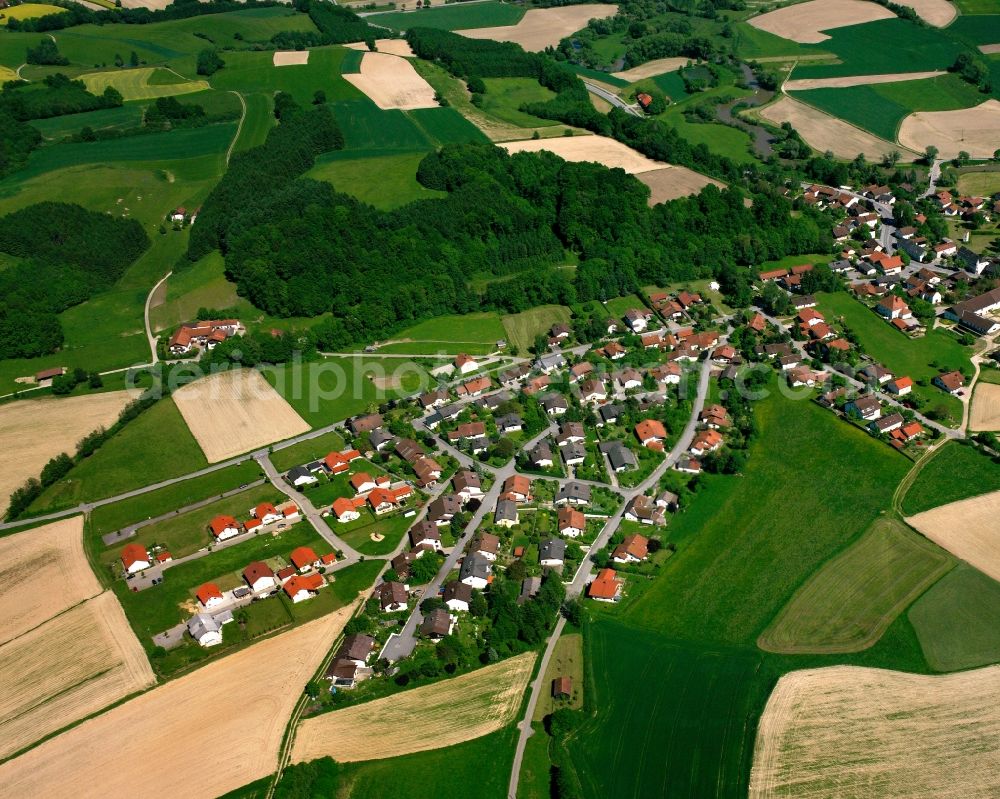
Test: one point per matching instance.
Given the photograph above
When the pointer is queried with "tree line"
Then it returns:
(55, 96)
(69, 254)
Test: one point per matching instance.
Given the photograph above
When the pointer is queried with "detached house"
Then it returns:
(571, 522)
(223, 527)
(606, 587)
(900, 386)
(392, 597)
(259, 577)
(867, 407)
(650, 432)
(706, 441)
(952, 382)
(467, 485)
(517, 488)
(893, 307)
(457, 596)
(634, 549)
(209, 595)
(475, 571)
(134, 558)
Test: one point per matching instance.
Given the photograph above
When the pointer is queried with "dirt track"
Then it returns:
(855, 80)
(846, 731)
(824, 132)
(974, 130)
(544, 27)
(392, 82)
(804, 22)
(197, 737)
(43, 572)
(68, 668)
(33, 431)
(233, 412)
(985, 408)
(968, 529)
(431, 717)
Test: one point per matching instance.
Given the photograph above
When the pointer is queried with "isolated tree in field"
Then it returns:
(46, 54)
(962, 158)
(209, 62)
(133, 59)
(930, 153)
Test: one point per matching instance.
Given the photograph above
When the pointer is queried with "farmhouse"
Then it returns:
(634, 549)
(606, 587)
(223, 527)
(203, 334)
(457, 596)
(134, 558)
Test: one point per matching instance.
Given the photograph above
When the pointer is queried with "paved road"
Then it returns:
(612, 98)
(934, 175)
(582, 576)
(150, 337)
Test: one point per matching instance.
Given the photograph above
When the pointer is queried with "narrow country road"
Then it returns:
(612, 98)
(150, 337)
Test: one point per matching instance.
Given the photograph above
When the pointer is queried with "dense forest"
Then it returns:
(69, 254)
(17, 140)
(336, 25)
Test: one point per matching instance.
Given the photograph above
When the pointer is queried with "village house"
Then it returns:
(620, 457)
(436, 624)
(223, 527)
(392, 597)
(506, 513)
(952, 382)
(517, 488)
(384, 500)
(634, 549)
(573, 454)
(209, 596)
(571, 522)
(475, 571)
(465, 364)
(457, 596)
(550, 363)
(593, 391)
(866, 406)
(650, 433)
(346, 510)
(434, 399)
(580, 370)
(570, 433)
(467, 485)
(303, 587)
(876, 374)
(364, 424)
(886, 424)
(644, 510)
(555, 404)
(706, 441)
(473, 388)
(300, 476)
(893, 307)
(487, 545)
(900, 386)
(134, 558)
(259, 577)
(205, 629)
(606, 587)
(715, 417)
(636, 319)
(540, 455)
(304, 559)
(509, 423)
(551, 553)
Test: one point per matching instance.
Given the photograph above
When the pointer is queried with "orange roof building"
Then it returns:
(303, 557)
(265, 509)
(207, 593)
(134, 557)
(650, 430)
(606, 587)
(220, 524)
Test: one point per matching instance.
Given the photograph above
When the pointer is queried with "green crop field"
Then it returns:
(128, 461)
(139, 83)
(751, 43)
(522, 328)
(351, 64)
(981, 29)
(257, 123)
(446, 126)
(958, 621)
(976, 7)
(954, 472)
(854, 597)
(745, 547)
(862, 50)
(201, 285)
(326, 391)
(880, 108)
(669, 720)
(385, 181)
(255, 72)
(159, 608)
(452, 17)
(720, 139)
(186, 533)
(30, 11)
(368, 128)
(504, 97)
(108, 518)
(56, 128)
(306, 451)
(921, 358)
(474, 333)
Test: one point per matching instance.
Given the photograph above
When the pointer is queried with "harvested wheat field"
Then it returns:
(230, 713)
(43, 572)
(431, 717)
(968, 529)
(392, 82)
(673, 182)
(32, 431)
(974, 130)
(399, 47)
(597, 149)
(236, 411)
(934, 12)
(823, 132)
(804, 22)
(68, 668)
(985, 410)
(855, 80)
(290, 58)
(652, 68)
(544, 27)
(857, 732)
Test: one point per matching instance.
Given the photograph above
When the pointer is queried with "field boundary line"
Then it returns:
(239, 127)
(51, 618)
(910, 477)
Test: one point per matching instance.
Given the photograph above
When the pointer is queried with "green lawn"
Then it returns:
(108, 518)
(599, 75)
(162, 606)
(385, 181)
(795, 260)
(188, 532)
(522, 328)
(720, 139)
(958, 620)
(326, 391)
(617, 306)
(306, 451)
(474, 333)
(920, 358)
(979, 184)
(453, 17)
(880, 108)
(536, 776)
(505, 96)
(155, 446)
(746, 544)
(854, 597)
(357, 534)
(862, 50)
(954, 472)
(450, 772)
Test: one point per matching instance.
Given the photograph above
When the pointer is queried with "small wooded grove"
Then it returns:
(69, 253)
(54, 96)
